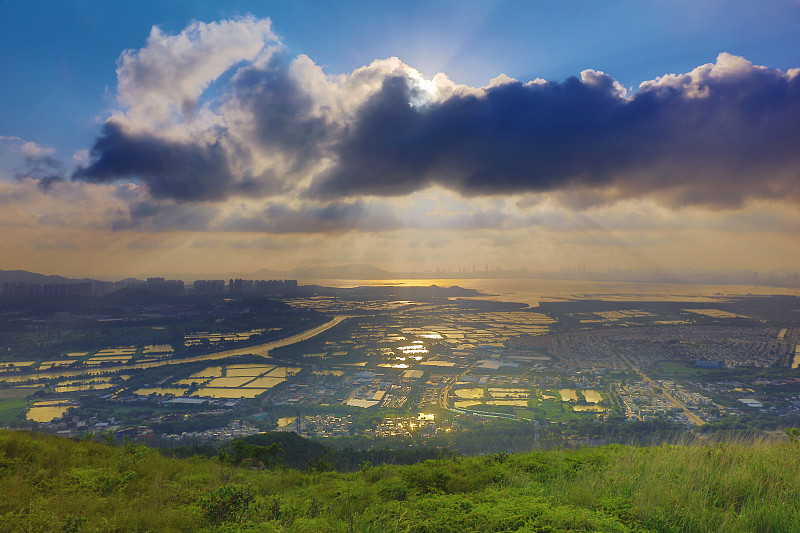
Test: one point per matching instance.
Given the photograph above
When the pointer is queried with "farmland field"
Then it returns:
(569, 395)
(48, 410)
(592, 396)
(469, 393)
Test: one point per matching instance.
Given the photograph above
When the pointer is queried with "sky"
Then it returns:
(195, 138)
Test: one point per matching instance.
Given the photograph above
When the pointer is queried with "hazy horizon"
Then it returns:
(346, 275)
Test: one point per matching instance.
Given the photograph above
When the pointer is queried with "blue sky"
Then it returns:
(204, 137)
(60, 56)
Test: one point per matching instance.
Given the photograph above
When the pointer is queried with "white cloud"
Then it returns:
(501, 79)
(599, 78)
(695, 84)
(31, 149)
(80, 157)
(161, 82)
(26, 148)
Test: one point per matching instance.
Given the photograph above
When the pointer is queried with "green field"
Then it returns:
(56, 484)
(13, 404)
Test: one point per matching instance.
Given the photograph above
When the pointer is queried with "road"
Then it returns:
(444, 396)
(680, 405)
(264, 349)
(259, 349)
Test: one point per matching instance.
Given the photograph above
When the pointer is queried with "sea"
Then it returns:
(532, 291)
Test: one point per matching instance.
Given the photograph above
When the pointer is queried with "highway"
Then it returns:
(264, 349)
(259, 349)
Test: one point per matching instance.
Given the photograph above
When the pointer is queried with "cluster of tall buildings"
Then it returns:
(21, 289)
(210, 287)
(158, 285)
(169, 287)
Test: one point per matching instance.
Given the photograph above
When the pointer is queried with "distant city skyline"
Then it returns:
(265, 281)
(411, 136)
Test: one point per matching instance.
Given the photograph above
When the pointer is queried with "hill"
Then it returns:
(56, 484)
(23, 276)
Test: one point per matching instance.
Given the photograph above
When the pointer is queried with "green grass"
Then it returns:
(56, 484)
(526, 413)
(13, 403)
(555, 410)
(10, 409)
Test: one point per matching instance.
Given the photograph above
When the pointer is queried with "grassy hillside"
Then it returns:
(55, 484)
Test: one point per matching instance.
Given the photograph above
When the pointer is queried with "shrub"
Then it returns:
(228, 503)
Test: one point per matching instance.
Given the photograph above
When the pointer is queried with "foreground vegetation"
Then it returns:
(55, 484)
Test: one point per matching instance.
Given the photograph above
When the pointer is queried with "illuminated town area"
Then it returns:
(395, 366)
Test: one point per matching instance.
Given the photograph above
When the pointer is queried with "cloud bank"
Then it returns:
(722, 134)
(719, 135)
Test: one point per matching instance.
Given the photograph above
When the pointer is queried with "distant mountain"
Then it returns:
(131, 281)
(23, 276)
(353, 271)
(266, 273)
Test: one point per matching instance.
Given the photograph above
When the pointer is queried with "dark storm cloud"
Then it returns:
(46, 170)
(716, 138)
(515, 138)
(170, 169)
(281, 112)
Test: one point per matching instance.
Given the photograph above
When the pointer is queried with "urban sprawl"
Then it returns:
(221, 363)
